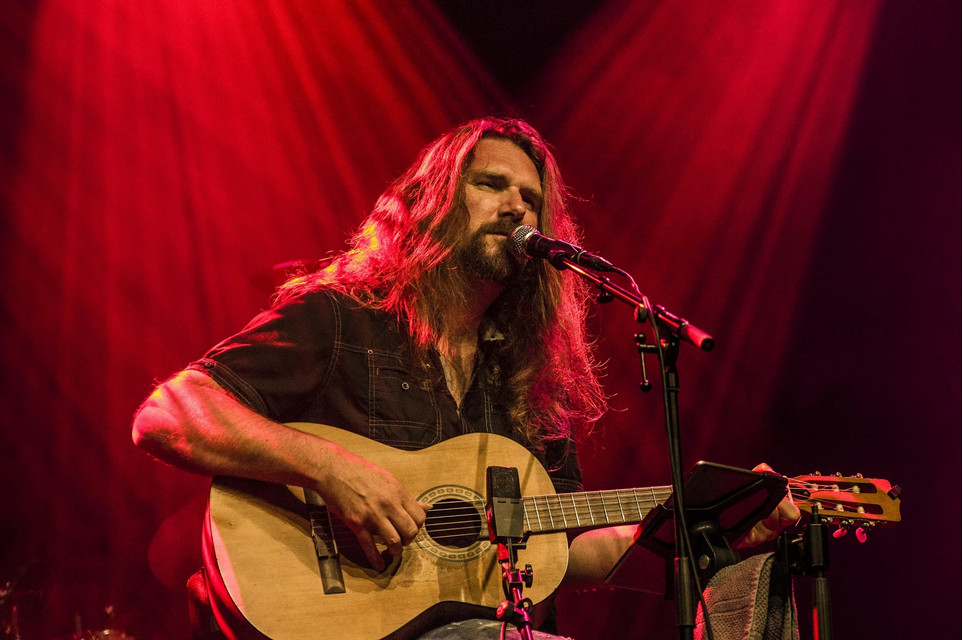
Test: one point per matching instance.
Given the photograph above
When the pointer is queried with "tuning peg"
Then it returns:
(840, 532)
(861, 534)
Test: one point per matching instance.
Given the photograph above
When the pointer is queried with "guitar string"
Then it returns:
(557, 504)
(802, 489)
(455, 524)
(826, 486)
(450, 519)
(467, 533)
(836, 506)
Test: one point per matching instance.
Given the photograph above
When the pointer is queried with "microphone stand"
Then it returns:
(516, 608)
(808, 555)
(505, 515)
(666, 347)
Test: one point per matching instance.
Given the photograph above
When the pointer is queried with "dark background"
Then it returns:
(786, 175)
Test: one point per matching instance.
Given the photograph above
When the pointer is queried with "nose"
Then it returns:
(514, 205)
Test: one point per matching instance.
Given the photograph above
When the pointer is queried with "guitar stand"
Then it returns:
(516, 608)
(807, 554)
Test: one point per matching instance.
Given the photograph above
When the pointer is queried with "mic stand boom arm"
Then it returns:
(676, 330)
(608, 291)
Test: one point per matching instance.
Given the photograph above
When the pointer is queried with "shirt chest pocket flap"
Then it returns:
(402, 409)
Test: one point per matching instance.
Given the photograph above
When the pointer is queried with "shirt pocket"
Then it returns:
(402, 411)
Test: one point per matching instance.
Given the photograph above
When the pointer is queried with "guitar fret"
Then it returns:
(564, 511)
(604, 510)
(637, 505)
(561, 510)
(575, 509)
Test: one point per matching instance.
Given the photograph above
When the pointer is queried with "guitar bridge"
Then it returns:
(329, 560)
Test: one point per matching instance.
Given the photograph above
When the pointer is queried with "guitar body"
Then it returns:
(260, 549)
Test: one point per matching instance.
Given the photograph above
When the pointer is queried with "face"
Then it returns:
(502, 189)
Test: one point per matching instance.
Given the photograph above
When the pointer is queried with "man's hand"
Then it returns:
(372, 503)
(784, 515)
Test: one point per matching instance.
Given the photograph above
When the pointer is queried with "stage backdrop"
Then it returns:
(784, 174)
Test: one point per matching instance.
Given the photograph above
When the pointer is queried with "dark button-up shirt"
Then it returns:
(321, 357)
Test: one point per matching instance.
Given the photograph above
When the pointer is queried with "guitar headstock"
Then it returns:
(849, 501)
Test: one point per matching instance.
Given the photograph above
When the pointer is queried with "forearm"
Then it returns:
(593, 554)
(194, 424)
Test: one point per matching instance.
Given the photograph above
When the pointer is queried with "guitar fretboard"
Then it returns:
(564, 511)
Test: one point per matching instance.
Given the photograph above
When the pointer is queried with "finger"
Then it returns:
(407, 524)
(784, 515)
(390, 536)
(788, 513)
(366, 541)
(748, 540)
(417, 511)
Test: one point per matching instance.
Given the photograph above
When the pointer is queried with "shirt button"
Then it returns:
(405, 386)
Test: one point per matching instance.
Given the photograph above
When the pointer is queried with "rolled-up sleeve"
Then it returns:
(283, 357)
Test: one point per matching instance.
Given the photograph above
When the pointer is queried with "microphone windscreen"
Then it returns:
(518, 238)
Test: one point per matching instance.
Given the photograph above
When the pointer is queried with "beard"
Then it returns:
(481, 258)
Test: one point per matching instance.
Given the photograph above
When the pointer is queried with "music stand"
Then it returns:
(723, 503)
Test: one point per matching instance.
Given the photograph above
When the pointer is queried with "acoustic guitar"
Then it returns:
(287, 569)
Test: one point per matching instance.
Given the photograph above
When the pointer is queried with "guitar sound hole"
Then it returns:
(453, 523)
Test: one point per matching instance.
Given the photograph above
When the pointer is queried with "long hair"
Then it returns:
(543, 371)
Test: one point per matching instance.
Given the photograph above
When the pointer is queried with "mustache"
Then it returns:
(504, 227)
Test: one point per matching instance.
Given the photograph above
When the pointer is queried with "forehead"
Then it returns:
(504, 157)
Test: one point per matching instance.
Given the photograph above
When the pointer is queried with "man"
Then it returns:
(427, 328)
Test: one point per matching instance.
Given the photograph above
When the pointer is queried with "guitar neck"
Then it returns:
(590, 509)
(854, 500)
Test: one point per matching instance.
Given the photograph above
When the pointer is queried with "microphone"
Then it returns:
(504, 509)
(527, 241)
